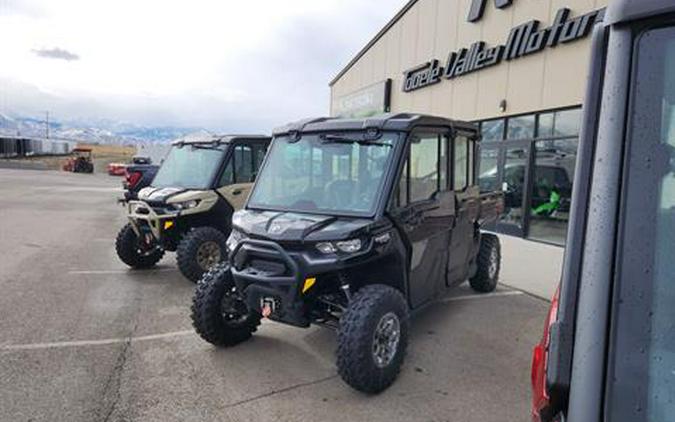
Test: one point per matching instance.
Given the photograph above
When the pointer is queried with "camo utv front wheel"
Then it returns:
(131, 250)
(372, 338)
(199, 250)
(219, 315)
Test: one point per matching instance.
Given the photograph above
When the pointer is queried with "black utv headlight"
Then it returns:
(346, 246)
(180, 206)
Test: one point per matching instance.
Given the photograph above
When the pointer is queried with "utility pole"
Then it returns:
(47, 123)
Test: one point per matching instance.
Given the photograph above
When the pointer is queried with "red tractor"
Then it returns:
(80, 161)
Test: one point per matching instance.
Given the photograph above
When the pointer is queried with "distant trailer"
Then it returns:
(17, 146)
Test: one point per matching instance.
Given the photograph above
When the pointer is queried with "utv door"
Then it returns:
(240, 172)
(425, 211)
(467, 200)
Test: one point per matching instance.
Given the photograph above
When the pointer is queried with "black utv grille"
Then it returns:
(270, 268)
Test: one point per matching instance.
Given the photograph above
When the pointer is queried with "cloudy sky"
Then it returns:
(220, 64)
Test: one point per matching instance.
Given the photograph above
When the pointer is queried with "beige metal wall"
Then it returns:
(555, 77)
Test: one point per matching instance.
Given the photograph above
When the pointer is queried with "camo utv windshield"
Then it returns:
(190, 166)
(332, 174)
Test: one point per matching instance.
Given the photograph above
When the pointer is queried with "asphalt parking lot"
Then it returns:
(83, 338)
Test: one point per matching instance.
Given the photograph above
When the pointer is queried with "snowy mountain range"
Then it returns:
(102, 131)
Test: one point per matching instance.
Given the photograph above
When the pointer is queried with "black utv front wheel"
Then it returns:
(489, 263)
(372, 338)
(199, 250)
(131, 250)
(219, 315)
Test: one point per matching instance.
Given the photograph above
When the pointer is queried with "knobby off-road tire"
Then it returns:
(213, 298)
(360, 362)
(489, 263)
(199, 250)
(129, 250)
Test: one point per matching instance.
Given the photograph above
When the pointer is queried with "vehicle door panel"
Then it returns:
(426, 223)
(462, 242)
(236, 194)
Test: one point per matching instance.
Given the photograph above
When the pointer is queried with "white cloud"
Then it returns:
(214, 63)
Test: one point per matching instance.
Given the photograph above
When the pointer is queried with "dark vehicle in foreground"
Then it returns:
(189, 205)
(137, 176)
(608, 349)
(351, 225)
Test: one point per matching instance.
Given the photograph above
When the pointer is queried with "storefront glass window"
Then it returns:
(521, 127)
(560, 123)
(568, 122)
(546, 125)
(553, 138)
(552, 189)
(513, 185)
(492, 130)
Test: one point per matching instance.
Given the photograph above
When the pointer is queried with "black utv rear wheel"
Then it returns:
(219, 315)
(132, 252)
(372, 338)
(199, 250)
(489, 263)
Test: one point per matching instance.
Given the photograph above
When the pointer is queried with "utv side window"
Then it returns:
(471, 171)
(228, 175)
(643, 327)
(243, 164)
(461, 163)
(259, 152)
(402, 196)
(425, 170)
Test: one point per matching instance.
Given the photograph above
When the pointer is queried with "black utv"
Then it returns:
(188, 206)
(351, 225)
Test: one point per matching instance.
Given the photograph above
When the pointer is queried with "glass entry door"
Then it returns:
(505, 167)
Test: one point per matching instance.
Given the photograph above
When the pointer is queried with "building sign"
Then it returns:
(369, 101)
(478, 8)
(523, 40)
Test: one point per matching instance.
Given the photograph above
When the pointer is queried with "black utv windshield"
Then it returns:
(329, 174)
(190, 166)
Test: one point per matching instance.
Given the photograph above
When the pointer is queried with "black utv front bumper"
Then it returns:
(268, 275)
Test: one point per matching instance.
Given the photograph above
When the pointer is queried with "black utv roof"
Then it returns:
(627, 10)
(222, 139)
(397, 122)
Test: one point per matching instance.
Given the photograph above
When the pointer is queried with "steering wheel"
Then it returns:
(339, 192)
(305, 205)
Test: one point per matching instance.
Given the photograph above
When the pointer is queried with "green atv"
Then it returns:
(188, 206)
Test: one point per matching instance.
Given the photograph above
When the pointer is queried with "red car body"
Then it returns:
(116, 169)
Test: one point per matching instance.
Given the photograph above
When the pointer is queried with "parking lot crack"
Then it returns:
(111, 390)
(279, 391)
